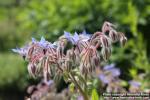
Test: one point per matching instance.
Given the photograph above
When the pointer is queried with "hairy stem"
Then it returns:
(85, 96)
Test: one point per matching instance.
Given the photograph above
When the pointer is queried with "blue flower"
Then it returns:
(104, 78)
(135, 83)
(21, 51)
(109, 74)
(42, 42)
(34, 40)
(108, 67)
(115, 72)
(85, 36)
(68, 36)
(45, 44)
(73, 39)
(111, 68)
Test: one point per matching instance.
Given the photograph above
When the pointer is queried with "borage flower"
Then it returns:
(73, 39)
(109, 74)
(22, 51)
(84, 36)
(111, 69)
(135, 84)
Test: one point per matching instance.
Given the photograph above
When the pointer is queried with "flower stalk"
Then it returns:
(84, 94)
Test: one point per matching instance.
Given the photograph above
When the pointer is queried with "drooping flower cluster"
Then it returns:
(46, 58)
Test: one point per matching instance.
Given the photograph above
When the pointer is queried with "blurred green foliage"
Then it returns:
(12, 71)
(22, 19)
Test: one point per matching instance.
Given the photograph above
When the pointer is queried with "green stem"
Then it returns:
(85, 96)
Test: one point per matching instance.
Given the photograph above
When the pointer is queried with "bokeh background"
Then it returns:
(22, 19)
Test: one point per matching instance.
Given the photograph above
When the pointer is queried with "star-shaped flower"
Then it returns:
(135, 83)
(73, 39)
(109, 74)
(22, 51)
(85, 36)
(111, 68)
(45, 44)
(104, 78)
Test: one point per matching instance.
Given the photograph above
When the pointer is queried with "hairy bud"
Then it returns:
(113, 35)
(123, 39)
(106, 52)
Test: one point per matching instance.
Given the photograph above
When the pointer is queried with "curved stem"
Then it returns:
(85, 96)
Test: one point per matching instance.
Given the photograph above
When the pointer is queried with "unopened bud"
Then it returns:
(105, 41)
(113, 35)
(106, 52)
(123, 41)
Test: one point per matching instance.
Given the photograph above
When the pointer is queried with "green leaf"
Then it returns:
(66, 77)
(71, 87)
(95, 95)
(123, 83)
(133, 72)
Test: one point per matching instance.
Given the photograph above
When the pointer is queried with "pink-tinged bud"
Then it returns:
(107, 26)
(123, 39)
(105, 41)
(31, 69)
(46, 70)
(106, 52)
(95, 61)
(113, 36)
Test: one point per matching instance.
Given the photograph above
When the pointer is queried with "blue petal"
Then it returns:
(84, 32)
(33, 40)
(42, 42)
(50, 45)
(15, 50)
(108, 67)
(42, 39)
(134, 83)
(85, 36)
(115, 72)
(67, 35)
(76, 37)
(103, 78)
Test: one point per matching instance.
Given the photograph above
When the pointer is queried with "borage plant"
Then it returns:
(75, 57)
